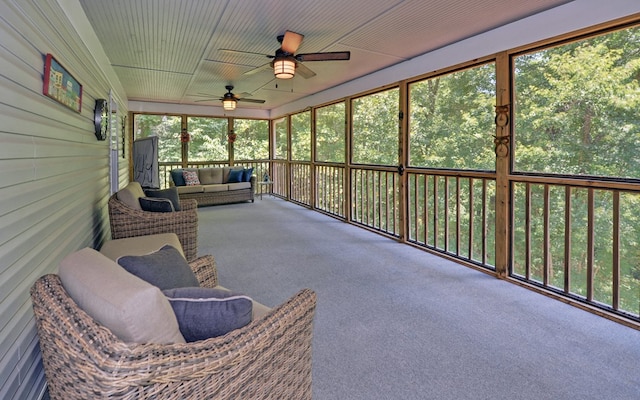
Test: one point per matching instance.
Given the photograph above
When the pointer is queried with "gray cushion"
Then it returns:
(170, 193)
(203, 313)
(132, 309)
(156, 205)
(130, 194)
(210, 176)
(165, 268)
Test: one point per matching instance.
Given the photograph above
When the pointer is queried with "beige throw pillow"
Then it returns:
(130, 195)
(134, 310)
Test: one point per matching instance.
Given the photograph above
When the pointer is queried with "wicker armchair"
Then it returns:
(268, 359)
(126, 222)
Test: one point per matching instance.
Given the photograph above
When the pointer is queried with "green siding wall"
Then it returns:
(54, 183)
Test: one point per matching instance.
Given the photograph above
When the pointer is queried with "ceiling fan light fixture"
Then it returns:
(284, 68)
(229, 103)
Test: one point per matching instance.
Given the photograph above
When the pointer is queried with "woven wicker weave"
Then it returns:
(268, 359)
(126, 222)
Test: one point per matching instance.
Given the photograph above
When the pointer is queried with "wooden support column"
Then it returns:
(231, 137)
(348, 193)
(403, 159)
(503, 146)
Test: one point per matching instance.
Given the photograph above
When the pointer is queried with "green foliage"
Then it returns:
(252, 139)
(375, 128)
(330, 133)
(208, 139)
(301, 136)
(577, 107)
(166, 128)
(576, 113)
(451, 120)
(281, 134)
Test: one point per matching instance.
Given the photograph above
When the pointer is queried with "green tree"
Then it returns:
(167, 128)
(375, 128)
(576, 114)
(281, 142)
(208, 139)
(301, 136)
(451, 120)
(330, 133)
(252, 139)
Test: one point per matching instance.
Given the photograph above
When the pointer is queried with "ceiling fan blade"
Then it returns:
(250, 100)
(258, 69)
(328, 56)
(291, 42)
(245, 52)
(209, 99)
(304, 71)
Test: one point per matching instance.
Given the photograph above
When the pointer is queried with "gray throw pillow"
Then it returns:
(156, 205)
(204, 313)
(165, 269)
(169, 193)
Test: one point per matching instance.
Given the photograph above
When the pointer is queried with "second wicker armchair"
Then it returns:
(127, 221)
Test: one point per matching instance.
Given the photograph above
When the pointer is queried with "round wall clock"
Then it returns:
(100, 119)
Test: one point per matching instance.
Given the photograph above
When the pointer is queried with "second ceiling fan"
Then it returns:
(285, 62)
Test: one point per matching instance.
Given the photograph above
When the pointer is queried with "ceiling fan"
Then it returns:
(229, 99)
(285, 62)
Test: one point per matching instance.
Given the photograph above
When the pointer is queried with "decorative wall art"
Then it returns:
(60, 85)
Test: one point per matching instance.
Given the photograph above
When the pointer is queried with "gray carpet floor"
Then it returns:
(395, 322)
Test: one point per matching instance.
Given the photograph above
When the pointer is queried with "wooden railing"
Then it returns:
(301, 180)
(330, 189)
(579, 239)
(280, 176)
(576, 238)
(453, 214)
(375, 199)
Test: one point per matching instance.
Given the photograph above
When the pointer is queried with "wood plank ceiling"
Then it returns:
(170, 50)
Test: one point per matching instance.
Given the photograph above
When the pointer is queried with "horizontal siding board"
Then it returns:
(15, 340)
(48, 119)
(53, 194)
(28, 193)
(15, 145)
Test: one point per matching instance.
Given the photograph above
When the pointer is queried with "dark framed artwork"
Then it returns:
(60, 85)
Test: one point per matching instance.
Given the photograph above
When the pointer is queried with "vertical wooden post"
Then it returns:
(348, 192)
(403, 159)
(230, 132)
(503, 146)
(313, 192)
(184, 145)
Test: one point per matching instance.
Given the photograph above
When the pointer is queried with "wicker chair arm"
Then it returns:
(188, 204)
(127, 222)
(205, 269)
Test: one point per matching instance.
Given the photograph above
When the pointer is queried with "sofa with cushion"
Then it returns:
(214, 185)
(136, 321)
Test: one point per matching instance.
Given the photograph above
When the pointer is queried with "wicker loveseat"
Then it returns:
(214, 186)
(127, 221)
(270, 358)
